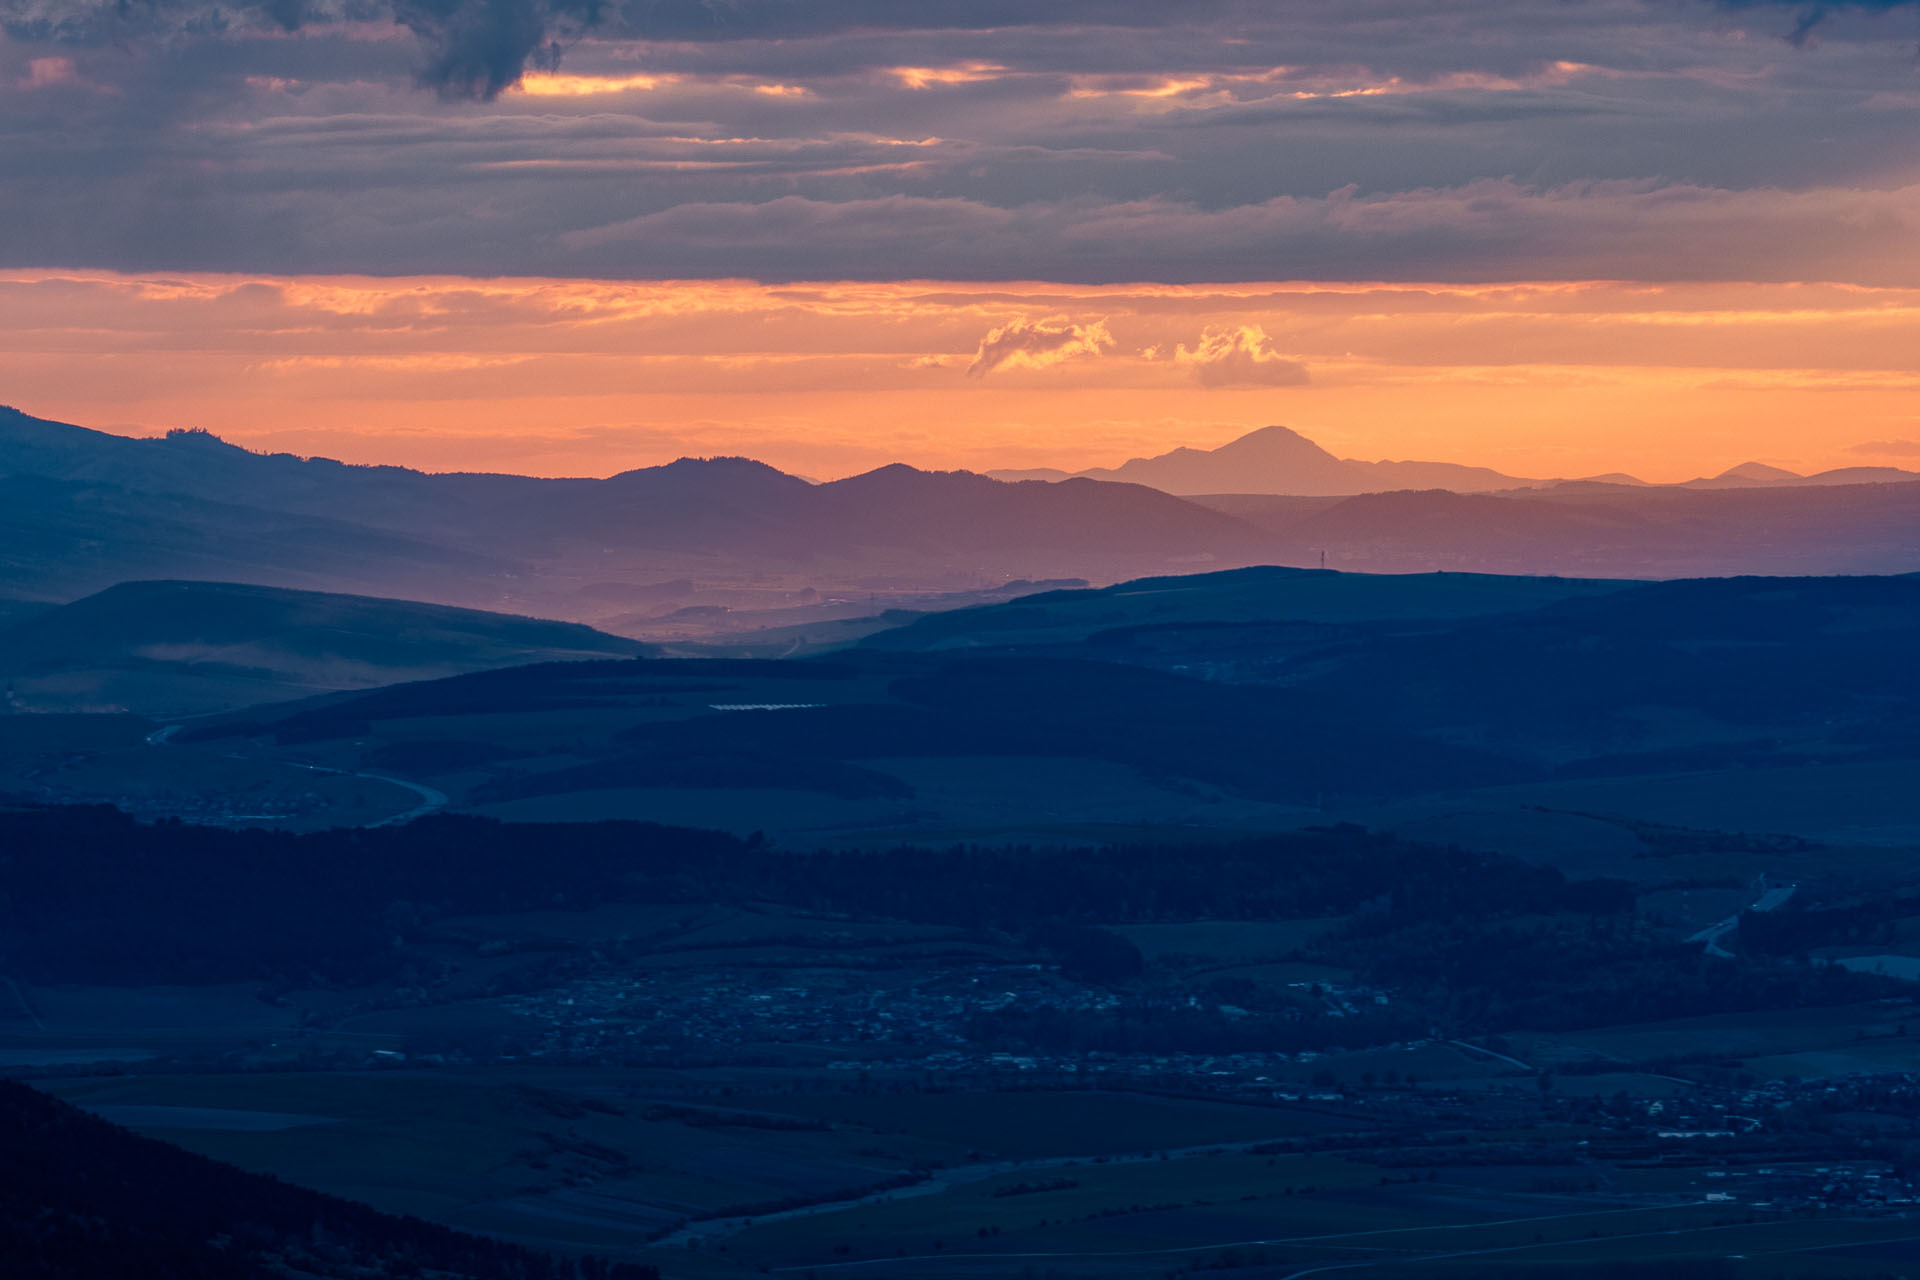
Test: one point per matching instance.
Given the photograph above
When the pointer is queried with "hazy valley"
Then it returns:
(842, 900)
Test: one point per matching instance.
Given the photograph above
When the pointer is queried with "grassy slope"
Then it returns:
(173, 648)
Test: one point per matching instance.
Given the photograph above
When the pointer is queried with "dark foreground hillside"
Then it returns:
(82, 1199)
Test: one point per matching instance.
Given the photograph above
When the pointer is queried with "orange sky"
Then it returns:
(571, 377)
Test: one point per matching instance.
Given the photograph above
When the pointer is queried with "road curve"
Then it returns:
(431, 799)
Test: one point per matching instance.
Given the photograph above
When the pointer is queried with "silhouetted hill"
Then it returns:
(183, 648)
(1759, 475)
(82, 1199)
(84, 509)
(1587, 676)
(1265, 594)
(1820, 665)
(897, 505)
(1590, 528)
(1280, 460)
(61, 539)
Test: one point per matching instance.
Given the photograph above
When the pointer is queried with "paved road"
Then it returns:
(430, 799)
(944, 1180)
(1506, 1058)
(1712, 934)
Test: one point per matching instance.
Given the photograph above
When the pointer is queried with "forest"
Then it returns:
(1481, 942)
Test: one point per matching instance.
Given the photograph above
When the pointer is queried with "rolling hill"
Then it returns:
(1602, 530)
(186, 648)
(1234, 597)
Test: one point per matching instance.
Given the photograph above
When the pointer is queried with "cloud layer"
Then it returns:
(1080, 140)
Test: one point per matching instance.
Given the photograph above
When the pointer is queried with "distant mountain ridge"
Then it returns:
(1279, 460)
(81, 510)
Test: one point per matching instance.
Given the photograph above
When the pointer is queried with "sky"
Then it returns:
(1558, 237)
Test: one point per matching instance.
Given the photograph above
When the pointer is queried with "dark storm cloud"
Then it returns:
(1117, 140)
(474, 48)
(1808, 16)
(477, 48)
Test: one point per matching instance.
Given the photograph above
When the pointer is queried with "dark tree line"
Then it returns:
(1481, 940)
(87, 893)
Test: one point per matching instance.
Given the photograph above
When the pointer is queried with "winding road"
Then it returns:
(430, 798)
(1767, 901)
(940, 1180)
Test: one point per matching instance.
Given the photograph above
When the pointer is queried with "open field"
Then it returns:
(1766, 1039)
(501, 1148)
(1034, 1124)
(1142, 1219)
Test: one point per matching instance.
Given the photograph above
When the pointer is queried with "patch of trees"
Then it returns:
(80, 1197)
(1571, 972)
(1794, 930)
(88, 894)
(1477, 940)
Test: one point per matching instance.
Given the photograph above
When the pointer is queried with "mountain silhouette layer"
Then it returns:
(1279, 460)
(82, 510)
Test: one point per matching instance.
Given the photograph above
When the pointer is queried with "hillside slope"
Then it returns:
(184, 648)
(80, 1197)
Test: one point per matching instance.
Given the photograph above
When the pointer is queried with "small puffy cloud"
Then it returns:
(45, 73)
(1238, 356)
(1036, 344)
(1888, 448)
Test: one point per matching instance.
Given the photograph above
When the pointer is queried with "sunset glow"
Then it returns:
(590, 377)
(1625, 236)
